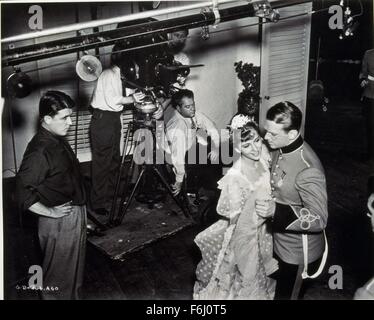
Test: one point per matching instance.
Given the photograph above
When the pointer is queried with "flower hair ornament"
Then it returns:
(240, 120)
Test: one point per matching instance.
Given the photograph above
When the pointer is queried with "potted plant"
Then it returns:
(249, 97)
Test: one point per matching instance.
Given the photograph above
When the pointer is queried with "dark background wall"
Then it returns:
(340, 77)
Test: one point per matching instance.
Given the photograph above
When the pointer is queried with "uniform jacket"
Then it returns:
(299, 187)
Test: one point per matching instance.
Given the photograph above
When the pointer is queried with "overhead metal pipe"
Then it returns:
(106, 38)
(103, 22)
(100, 39)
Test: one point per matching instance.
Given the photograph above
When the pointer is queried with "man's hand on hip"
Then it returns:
(62, 210)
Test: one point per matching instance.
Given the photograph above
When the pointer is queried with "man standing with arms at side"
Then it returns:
(299, 205)
(108, 100)
(49, 184)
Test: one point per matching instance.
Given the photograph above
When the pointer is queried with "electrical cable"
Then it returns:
(361, 10)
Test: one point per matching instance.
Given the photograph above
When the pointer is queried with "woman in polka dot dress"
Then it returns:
(237, 252)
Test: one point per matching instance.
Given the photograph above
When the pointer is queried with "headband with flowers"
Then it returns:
(240, 120)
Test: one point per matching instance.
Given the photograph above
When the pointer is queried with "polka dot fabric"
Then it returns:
(237, 251)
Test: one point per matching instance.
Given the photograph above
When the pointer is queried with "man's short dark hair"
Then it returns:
(179, 95)
(287, 114)
(52, 102)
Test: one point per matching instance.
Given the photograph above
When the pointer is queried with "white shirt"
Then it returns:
(180, 136)
(108, 91)
(182, 58)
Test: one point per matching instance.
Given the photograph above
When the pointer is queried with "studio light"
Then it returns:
(88, 68)
(19, 84)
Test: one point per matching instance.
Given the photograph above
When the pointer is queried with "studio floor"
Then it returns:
(165, 269)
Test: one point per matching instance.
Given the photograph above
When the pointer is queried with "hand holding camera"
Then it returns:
(138, 96)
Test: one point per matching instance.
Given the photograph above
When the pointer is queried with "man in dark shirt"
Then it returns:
(49, 184)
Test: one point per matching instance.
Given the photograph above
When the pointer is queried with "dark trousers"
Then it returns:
(200, 172)
(105, 132)
(286, 277)
(369, 121)
(63, 243)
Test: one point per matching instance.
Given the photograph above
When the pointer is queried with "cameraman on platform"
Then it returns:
(109, 97)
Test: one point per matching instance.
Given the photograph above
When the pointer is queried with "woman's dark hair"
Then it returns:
(246, 131)
(52, 102)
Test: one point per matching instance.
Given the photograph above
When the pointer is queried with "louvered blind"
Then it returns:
(285, 58)
(83, 137)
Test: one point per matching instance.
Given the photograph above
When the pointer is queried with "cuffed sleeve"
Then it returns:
(209, 126)
(283, 217)
(311, 185)
(311, 216)
(177, 137)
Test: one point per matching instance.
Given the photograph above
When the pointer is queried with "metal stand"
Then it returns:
(145, 169)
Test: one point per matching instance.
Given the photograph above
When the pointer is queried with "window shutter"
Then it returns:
(285, 59)
(83, 134)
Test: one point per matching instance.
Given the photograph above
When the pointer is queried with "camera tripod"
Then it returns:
(146, 169)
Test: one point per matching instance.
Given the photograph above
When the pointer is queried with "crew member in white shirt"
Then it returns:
(182, 125)
(108, 100)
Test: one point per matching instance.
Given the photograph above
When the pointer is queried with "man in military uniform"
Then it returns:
(299, 205)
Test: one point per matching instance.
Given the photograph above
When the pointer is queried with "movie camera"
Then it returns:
(158, 77)
(148, 64)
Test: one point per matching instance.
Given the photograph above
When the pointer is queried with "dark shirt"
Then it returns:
(49, 173)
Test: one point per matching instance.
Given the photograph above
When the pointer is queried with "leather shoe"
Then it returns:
(95, 231)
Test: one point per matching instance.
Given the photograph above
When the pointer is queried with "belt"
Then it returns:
(107, 112)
